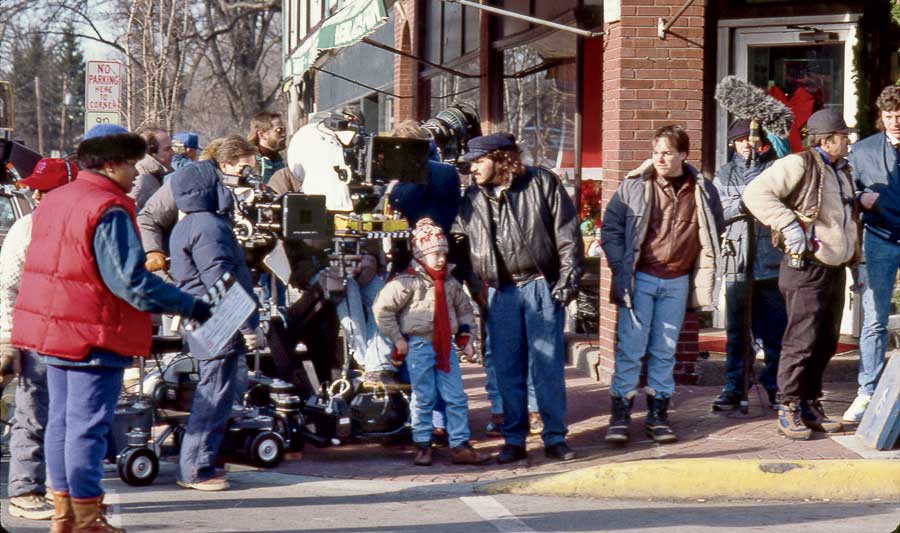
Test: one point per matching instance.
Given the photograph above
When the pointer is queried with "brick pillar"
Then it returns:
(406, 70)
(648, 83)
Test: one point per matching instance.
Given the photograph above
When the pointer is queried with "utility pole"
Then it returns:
(40, 114)
(62, 124)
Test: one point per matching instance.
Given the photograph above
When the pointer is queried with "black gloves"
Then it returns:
(564, 295)
(201, 311)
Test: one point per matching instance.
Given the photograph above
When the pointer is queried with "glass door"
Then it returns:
(807, 63)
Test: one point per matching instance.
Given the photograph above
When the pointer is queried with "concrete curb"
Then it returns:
(733, 479)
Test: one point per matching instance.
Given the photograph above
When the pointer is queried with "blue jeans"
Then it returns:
(767, 326)
(437, 417)
(882, 262)
(490, 381)
(427, 382)
(659, 306)
(27, 468)
(213, 400)
(370, 348)
(525, 327)
(82, 405)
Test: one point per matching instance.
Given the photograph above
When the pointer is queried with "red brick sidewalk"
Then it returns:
(701, 433)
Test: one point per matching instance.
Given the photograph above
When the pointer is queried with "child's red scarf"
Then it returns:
(441, 338)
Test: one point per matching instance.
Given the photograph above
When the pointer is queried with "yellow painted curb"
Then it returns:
(677, 479)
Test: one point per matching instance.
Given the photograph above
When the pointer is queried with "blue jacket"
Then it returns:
(203, 246)
(875, 166)
(438, 200)
(731, 180)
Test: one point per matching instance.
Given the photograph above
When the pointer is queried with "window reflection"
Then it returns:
(539, 108)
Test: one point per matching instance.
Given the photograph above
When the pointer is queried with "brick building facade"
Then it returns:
(633, 79)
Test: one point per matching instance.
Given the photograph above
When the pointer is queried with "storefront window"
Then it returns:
(447, 89)
(539, 108)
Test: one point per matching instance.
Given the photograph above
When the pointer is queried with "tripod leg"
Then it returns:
(748, 353)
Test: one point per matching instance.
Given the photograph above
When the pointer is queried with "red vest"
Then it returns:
(64, 309)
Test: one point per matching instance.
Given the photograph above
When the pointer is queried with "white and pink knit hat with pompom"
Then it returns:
(428, 238)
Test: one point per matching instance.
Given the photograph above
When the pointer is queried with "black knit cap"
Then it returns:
(739, 128)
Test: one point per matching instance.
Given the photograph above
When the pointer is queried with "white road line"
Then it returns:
(114, 510)
(494, 512)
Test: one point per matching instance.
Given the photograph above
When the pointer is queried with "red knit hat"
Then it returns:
(428, 238)
(50, 173)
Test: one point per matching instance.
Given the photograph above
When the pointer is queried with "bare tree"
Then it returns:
(155, 42)
(11, 13)
(188, 61)
(239, 41)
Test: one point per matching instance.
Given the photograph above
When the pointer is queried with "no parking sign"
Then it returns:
(102, 93)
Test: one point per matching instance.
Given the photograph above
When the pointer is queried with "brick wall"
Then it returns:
(648, 83)
(406, 71)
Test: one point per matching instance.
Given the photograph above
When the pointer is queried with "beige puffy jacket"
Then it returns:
(836, 226)
(405, 306)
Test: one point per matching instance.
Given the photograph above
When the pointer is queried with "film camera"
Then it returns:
(452, 128)
(375, 160)
(262, 217)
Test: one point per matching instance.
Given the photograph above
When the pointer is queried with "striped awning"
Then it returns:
(357, 19)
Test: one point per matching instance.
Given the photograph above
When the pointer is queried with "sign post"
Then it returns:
(103, 93)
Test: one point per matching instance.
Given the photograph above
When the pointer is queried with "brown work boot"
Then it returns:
(423, 456)
(789, 423)
(63, 519)
(89, 516)
(813, 416)
(535, 424)
(465, 454)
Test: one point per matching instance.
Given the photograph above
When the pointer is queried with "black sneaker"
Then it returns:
(560, 451)
(511, 453)
(727, 401)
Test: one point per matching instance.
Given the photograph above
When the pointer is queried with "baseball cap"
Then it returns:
(50, 173)
(187, 139)
(482, 146)
(827, 121)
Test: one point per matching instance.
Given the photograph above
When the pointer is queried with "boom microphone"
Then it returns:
(747, 101)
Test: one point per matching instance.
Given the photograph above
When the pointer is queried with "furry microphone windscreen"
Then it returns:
(747, 101)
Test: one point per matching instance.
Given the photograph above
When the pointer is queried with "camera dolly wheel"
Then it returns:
(138, 466)
(265, 449)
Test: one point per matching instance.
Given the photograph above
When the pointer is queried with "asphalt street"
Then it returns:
(267, 501)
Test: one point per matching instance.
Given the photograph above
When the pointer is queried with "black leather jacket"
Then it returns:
(545, 227)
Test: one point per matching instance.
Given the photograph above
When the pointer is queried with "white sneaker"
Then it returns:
(855, 412)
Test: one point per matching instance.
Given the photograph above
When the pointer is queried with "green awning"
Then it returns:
(357, 19)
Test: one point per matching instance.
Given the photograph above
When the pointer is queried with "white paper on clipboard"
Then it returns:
(232, 306)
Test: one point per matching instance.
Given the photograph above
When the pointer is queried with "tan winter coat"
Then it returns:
(836, 225)
(405, 306)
